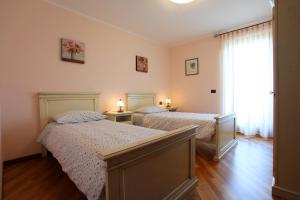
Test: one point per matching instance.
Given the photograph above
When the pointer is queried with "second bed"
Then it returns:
(215, 132)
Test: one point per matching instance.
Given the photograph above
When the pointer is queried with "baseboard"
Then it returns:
(284, 193)
(22, 159)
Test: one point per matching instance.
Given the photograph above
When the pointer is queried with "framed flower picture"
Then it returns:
(191, 67)
(72, 51)
(141, 64)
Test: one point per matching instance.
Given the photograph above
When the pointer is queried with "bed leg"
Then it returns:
(216, 158)
(225, 149)
(44, 152)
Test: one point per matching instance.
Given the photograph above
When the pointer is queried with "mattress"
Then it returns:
(169, 121)
(76, 148)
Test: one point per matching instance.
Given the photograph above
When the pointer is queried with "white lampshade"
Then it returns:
(168, 100)
(121, 103)
(182, 1)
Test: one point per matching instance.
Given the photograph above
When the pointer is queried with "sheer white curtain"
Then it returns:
(247, 77)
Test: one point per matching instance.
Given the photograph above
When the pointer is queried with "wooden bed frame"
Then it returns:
(221, 143)
(161, 167)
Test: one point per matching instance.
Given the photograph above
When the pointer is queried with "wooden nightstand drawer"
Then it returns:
(127, 122)
(122, 117)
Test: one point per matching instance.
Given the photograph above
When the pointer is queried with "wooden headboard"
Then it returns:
(52, 104)
(137, 100)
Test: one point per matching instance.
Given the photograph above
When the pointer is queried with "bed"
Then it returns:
(216, 133)
(136, 168)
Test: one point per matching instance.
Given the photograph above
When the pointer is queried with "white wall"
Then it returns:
(30, 63)
(1, 160)
(192, 93)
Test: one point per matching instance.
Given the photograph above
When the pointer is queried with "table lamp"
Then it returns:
(121, 105)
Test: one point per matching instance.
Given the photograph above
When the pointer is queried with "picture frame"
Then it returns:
(192, 66)
(141, 64)
(72, 51)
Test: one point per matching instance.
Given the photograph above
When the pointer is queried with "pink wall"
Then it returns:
(30, 63)
(192, 93)
(1, 160)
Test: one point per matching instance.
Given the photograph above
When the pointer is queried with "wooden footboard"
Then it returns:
(156, 168)
(225, 134)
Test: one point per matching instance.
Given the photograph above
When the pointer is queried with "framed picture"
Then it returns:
(191, 67)
(141, 64)
(72, 51)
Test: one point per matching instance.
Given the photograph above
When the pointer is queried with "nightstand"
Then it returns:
(171, 109)
(122, 117)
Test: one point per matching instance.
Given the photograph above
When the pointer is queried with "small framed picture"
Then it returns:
(141, 64)
(191, 67)
(72, 51)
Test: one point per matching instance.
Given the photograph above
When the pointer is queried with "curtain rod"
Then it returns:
(219, 34)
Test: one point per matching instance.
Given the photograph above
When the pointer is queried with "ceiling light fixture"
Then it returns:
(181, 1)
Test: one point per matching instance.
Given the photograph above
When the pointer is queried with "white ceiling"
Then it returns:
(169, 23)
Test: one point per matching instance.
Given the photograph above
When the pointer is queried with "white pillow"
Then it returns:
(151, 109)
(78, 116)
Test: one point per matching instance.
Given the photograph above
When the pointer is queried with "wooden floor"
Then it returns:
(244, 173)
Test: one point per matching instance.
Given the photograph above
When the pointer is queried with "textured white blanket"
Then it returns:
(75, 146)
(168, 121)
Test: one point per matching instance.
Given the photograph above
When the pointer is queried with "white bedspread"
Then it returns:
(75, 146)
(172, 120)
